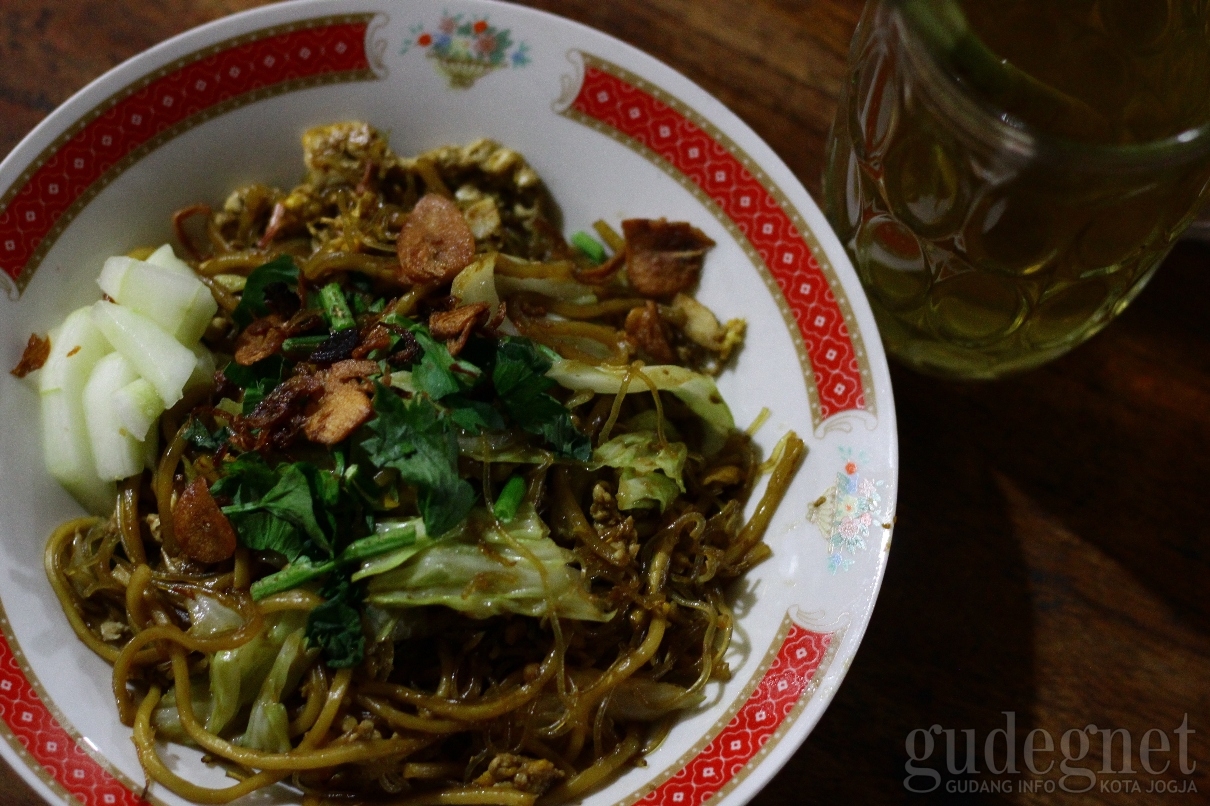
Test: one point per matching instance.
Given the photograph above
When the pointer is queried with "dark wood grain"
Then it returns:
(1052, 553)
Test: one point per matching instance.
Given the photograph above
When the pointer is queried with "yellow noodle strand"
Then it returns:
(607, 429)
(599, 771)
(128, 520)
(295, 761)
(72, 607)
(469, 796)
(156, 770)
(163, 486)
(404, 721)
(779, 483)
(469, 712)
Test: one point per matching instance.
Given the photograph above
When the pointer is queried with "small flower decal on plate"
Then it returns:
(464, 49)
(845, 512)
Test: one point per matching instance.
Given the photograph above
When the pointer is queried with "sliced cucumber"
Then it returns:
(177, 302)
(203, 370)
(116, 267)
(69, 454)
(137, 406)
(153, 353)
(99, 407)
(165, 257)
(113, 273)
(75, 348)
(116, 451)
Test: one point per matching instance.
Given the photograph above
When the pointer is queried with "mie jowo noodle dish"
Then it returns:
(414, 501)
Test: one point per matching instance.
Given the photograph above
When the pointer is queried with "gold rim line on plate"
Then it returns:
(716, 210)
(32, 762)
(738, 703)
(772, 188)
(31, 266)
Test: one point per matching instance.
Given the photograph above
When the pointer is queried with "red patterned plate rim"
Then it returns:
(799, 262)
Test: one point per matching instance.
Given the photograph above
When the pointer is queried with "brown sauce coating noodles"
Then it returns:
(506, 705)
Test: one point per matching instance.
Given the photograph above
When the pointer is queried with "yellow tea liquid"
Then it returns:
(1135, 71)
(984, 253)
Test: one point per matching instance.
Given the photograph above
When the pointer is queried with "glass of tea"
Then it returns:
(1007, 174)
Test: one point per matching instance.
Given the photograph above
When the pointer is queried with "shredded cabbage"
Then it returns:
(477, 282)
(456, 571)
(645, 490)
(268, 723)
(651, 472)
(695, 390)
(208, 616)
(393, 559)
(236, 675)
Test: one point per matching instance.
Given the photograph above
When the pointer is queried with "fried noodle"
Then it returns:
(512, 704)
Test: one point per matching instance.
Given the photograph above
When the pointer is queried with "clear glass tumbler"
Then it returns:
(997, 221)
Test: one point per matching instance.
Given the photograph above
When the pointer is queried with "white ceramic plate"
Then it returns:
(615, 134)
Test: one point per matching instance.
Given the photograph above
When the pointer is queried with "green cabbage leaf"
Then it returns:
(651, 472)
(485, 568)
(695, 390)
(237, 675)
(268, 723)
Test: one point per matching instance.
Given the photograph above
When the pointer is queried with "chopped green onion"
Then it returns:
(336, 308)
(293, 575)
(509, 499)
(302, 345)
(390, 536)
(589, 246)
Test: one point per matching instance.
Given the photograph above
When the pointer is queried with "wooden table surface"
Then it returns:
(1052, 553)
